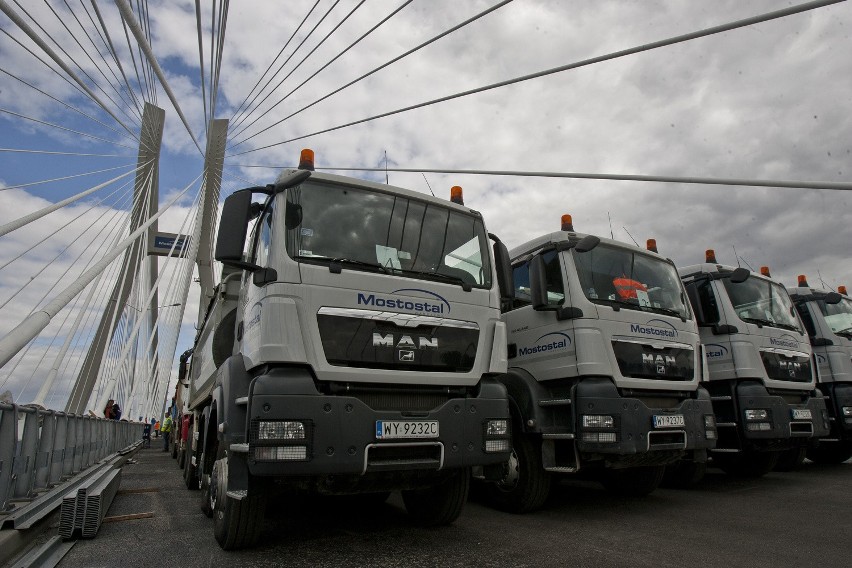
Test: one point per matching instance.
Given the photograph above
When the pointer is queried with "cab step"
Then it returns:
(555, 402)
(566, 436)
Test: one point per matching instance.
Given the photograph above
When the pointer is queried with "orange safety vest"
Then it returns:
(626, 287)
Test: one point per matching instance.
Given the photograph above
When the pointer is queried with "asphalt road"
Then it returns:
(803, 518)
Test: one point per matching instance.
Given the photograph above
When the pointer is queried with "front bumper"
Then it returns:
(340, 433)
(766, 418)
(633, 422)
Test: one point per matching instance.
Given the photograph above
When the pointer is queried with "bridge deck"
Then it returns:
(784, 519)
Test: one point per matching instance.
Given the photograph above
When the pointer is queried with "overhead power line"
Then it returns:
(839, 186)
(583, 63)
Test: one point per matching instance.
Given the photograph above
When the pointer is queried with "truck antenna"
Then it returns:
(427, 184)
(612, 236)
(824, 285)
(387, 179)
(629, 235)
(736, 256)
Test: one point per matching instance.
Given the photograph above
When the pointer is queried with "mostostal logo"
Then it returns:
(440, 306)
(655, 328)
(557, 340)
(715, 351)
(785, 340)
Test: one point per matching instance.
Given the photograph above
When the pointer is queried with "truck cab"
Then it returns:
(761, 373)
(827, 316)
(352, 348)
(604, 368)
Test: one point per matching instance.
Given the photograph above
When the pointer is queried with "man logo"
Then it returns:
(405, 341)
(406, 356)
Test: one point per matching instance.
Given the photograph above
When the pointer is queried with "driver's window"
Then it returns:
(263, 228)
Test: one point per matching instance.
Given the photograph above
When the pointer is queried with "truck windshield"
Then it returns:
(760, 301)
(838, 316)
(370, 230)
(625, 278)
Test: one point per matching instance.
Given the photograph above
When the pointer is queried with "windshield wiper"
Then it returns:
(350, 261)
(616, 305)
(762, 322)
(439, 276)
(846, 331)
(669, 311)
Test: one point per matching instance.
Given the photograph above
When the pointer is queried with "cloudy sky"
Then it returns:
(768, 101)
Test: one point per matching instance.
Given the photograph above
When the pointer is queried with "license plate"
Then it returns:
(669, 421)
(801, 414)
(395, 429)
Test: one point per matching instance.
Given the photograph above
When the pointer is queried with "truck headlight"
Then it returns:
(281, 453)
(599, 437)
(492, 446)
(756, 414)
(598, 421)
(758, 426)
(280, 430)
(497, 428)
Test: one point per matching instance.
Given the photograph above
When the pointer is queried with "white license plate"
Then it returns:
(395, 429)
(801, 414)
(669, 421)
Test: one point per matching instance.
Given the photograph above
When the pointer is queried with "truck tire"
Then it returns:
(174, 449)
(792, 459)
(829, 453)
(633, 481)
(525, 486)
(684, 474)
(208, 497)
(189, 470)
(181, 459)
(441, 504)
(236, 522)
(747, 463)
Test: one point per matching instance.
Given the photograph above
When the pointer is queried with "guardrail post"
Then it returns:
(45, 449)
(60, 439)
(24, 468)
(8, 439)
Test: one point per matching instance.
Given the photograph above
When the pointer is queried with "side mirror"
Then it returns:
(233, 228)
(538, 283)
(538, 292)
(587, 243)
(833, 298)
(503, 264)
(740, 275)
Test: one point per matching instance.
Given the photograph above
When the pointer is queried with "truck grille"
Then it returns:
(641, 361)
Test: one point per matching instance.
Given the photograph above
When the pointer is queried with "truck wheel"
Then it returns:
(830, 453)
(181, 458)
(525, 485)
(633, 481)
(236, 522)
(189, 470)
(174, 449)
(792, 459)
(684, 474)
(441, 504)
(208, 497)
(747, 463)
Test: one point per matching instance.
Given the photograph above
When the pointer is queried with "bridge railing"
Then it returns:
(41, 448)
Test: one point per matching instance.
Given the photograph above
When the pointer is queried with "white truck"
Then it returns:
(761, 374)
(352, 347)
(827, 316)
(604, 369)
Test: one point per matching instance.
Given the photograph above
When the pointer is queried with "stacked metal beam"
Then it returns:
(83, 510)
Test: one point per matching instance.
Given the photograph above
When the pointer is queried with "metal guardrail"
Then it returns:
(41, 448)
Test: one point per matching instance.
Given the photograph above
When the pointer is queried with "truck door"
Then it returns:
(538, 341)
